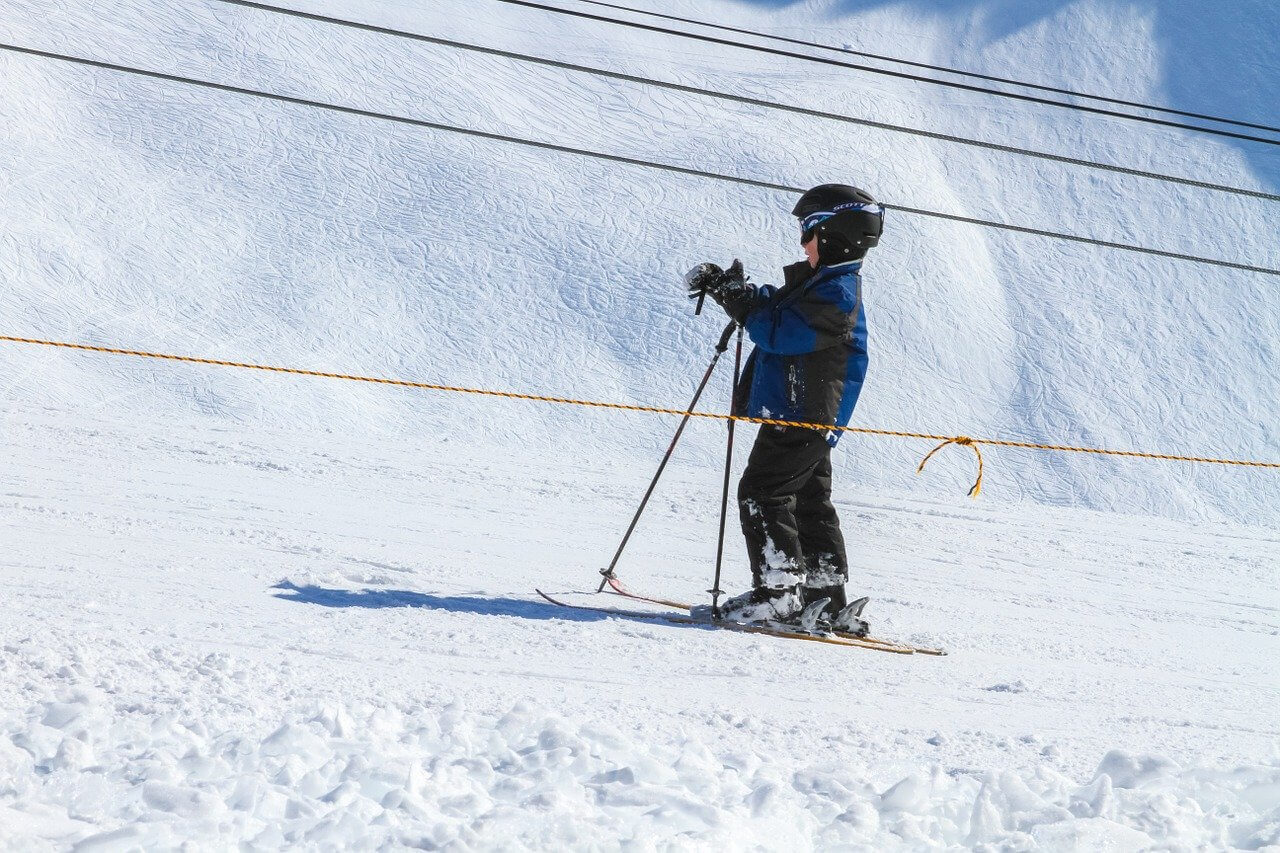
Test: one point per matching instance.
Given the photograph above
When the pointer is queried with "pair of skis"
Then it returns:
(684, 618)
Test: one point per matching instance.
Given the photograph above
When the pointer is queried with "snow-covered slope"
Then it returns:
(249, 608)
(149, 215)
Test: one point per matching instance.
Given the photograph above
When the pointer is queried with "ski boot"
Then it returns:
(761, 604)
(849, 620)
(828, 610)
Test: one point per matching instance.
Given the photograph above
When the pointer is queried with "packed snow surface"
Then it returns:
(211, 635)
(252, 608)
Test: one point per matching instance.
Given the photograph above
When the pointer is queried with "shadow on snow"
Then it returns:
(377, 599)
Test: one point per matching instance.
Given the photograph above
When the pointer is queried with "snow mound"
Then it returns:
(98, 767)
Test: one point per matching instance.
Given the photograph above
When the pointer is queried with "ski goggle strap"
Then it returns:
(813, 220)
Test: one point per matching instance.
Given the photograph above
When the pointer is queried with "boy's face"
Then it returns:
(811, 250)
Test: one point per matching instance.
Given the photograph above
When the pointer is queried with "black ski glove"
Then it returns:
(729, 288)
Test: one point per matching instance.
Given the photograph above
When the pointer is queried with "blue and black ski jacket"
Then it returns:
(810, 355)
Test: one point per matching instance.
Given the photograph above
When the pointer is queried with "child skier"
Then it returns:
(808, 365)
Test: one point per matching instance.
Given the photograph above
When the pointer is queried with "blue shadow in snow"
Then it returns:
(1198, 42)
(377, 599)
(1001, 17)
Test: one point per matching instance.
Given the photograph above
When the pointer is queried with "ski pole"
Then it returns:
(720, 350)
(724, 495)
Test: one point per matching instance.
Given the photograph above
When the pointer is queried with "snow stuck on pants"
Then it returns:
(92, 761)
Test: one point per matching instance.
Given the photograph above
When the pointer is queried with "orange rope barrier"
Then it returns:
(962, 440)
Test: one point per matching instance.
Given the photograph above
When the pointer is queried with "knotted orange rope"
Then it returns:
(511, 395)
(963, 441)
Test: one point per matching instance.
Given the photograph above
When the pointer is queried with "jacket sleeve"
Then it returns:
(816, 319)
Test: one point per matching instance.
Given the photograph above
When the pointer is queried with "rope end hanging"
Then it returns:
(963, 441)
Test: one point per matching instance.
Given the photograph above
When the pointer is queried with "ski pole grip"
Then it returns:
(724, 338)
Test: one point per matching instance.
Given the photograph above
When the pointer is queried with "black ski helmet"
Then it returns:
(848, 221)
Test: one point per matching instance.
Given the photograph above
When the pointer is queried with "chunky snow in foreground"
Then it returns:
(357, 776)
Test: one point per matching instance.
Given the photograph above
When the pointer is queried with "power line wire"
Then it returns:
(887, 72)
(614, 158)
(743, 99)
(944, 68)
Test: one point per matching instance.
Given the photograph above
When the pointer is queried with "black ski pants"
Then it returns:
(784, 501)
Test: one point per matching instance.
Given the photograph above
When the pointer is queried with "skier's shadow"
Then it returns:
(377, 599)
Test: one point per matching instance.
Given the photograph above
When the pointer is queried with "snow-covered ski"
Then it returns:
(616, 587)
(685, 619)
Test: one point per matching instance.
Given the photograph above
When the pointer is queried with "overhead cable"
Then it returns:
(613, 158)
(903, 75)
(1023, 83)
(742, 99)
